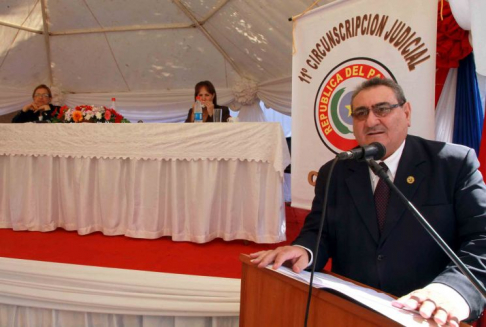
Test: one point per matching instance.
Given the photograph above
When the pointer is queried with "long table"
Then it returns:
(193, 182)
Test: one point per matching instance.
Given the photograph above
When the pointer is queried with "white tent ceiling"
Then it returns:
(149, 53)
(93, 46)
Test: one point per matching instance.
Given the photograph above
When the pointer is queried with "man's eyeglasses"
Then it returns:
(379, 110)
(38, 95)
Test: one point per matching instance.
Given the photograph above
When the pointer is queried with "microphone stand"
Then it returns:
(318, 240)
(380, 172)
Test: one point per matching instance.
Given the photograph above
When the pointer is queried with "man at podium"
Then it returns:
(370, 235)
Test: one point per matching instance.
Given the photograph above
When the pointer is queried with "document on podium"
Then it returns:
(370, 298)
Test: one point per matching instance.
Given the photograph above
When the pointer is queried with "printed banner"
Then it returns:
(340, 45)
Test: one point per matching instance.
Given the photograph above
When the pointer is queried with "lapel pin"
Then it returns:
(410, 179)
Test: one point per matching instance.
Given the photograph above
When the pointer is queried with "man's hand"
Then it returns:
(434, 304)
(44, 107)
(35, 108)
(27, 107)
(297, 256)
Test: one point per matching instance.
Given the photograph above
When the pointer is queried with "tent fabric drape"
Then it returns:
(277, 94)
(97, 294)
(13, 99)
(468, 119)
(19, 316)
(444, 115)
(251, 113)
(274, 116)
(470, 16)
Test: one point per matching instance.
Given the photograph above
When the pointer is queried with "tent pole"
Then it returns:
(123, 29)
(208, 36)
(46, 39)
(21, 27)
(215, 10)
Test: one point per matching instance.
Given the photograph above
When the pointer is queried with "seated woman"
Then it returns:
(40, 109)
(207, 93)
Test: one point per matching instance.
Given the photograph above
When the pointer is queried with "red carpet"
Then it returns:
(217, 258)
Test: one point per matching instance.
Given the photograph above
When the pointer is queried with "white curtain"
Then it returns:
(444, 113)
(251, 113)
(12, 99)
(272, 115)
(482, 89)
(277, 94)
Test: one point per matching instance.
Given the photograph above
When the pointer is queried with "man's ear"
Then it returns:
(407, 108)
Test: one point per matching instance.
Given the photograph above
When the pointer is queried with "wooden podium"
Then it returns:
(269, 299)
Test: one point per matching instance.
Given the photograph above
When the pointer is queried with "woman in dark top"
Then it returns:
(40, 109)
(207, 93)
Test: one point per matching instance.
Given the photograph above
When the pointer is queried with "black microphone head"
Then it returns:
(374, 151)
(378, 152)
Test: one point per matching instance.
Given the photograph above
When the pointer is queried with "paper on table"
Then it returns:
(379, 302)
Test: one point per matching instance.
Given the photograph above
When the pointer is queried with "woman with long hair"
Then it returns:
(206, 93)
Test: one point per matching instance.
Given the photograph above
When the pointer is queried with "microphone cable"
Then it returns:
(319, 234)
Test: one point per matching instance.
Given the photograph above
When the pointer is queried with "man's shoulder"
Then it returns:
(437, 149)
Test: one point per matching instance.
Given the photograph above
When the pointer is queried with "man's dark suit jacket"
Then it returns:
(447, 189)
(30, 116)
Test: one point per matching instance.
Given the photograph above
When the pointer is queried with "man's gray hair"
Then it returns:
(375, 82)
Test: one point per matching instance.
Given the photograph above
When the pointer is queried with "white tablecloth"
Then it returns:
(193, 182)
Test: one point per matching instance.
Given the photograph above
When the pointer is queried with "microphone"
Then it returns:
(374, 151)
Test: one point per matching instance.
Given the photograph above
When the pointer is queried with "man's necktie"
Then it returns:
(382, 195)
